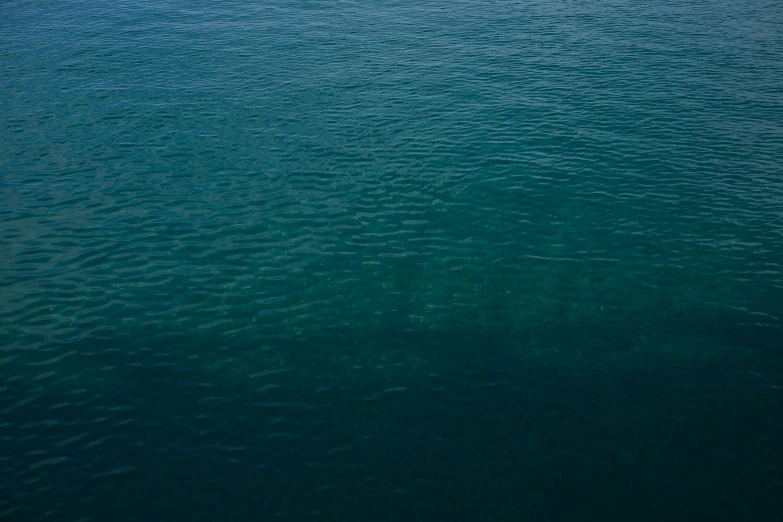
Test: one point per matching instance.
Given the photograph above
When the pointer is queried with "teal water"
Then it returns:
(391, 261)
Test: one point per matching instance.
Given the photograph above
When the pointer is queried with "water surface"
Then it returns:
(363, 260)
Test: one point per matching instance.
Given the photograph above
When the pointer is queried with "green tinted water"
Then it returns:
(391, 261)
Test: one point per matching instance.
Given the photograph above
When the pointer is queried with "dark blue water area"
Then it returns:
(393, 261)
(469, 437)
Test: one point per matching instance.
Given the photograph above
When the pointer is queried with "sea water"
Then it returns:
(363, 260)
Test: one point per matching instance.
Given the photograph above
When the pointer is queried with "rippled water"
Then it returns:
(364, 260)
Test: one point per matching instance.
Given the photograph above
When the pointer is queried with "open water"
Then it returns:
(364, 260)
